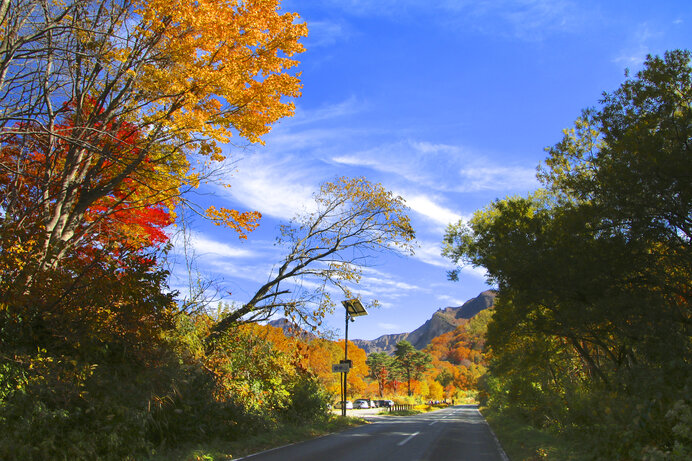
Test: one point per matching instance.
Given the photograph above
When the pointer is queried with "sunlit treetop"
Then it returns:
(225, 64)
(133, 99)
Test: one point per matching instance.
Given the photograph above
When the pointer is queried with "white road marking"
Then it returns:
(408, 438)
(503, 455)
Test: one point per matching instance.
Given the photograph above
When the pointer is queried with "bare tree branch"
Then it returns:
(353, 221)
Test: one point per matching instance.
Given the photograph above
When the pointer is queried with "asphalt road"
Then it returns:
(454, 433)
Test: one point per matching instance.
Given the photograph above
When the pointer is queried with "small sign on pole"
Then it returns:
(340, 367)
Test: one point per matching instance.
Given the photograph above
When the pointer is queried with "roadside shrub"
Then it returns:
(189, 412)
(308, 400)
(60, 408)
(118, 403)
(680, 418)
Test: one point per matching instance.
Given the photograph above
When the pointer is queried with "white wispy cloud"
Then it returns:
(477, 272)
(493, 177)
(347, 107)
(278, 187)
(634, 54)
(389, 326)
(535, 19)
(306, 150)
(529, 20)
(381, 285)
(324, 33)
(426, 147)
(386, 305)
(311, 132)
(450, 300)
(254, 272)
(632, 58)
(388, 285)
(427, 207)
(432, 166)
(354, 160)
(429, 253)
(207, 247)
(421, 163)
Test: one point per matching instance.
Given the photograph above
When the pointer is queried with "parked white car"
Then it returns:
(349, 405)
(361, 403)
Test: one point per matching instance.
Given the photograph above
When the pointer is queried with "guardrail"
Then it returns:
(400, 407)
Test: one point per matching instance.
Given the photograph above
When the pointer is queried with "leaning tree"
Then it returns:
(351, 222)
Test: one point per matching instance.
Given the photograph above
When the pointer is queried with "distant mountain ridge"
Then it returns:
(442, 321)
(290, 329)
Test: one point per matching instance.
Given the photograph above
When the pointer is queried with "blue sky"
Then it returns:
(449, 104)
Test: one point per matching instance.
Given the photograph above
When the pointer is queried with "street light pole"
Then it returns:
(354, 308)
(345, 387)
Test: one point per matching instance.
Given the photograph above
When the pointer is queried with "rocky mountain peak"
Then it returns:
(442, 321)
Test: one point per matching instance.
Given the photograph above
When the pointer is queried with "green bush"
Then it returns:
(113, 404)
(61, 409)
(308, 400)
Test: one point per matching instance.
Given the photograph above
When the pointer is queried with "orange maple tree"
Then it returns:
(141, 93)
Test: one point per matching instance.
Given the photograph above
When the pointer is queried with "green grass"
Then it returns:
(284, 435)
(524, 442)
(402, 412)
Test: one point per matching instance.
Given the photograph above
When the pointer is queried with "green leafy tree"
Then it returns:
(593, 270)
(381, 365)
(445, 378)
(410, 362)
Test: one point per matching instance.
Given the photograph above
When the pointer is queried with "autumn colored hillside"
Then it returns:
(442, 321)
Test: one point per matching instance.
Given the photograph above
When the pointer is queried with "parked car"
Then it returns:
(385, 403)
(349, 405)
(361, 403)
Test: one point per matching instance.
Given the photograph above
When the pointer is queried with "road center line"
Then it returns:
(408, 438)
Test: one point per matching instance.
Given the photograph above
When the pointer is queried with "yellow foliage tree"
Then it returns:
(421, 388)
(359, 370)
(320, 357)
(435, 390)
(184, 75)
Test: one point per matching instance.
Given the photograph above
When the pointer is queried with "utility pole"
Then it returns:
(354, 308)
